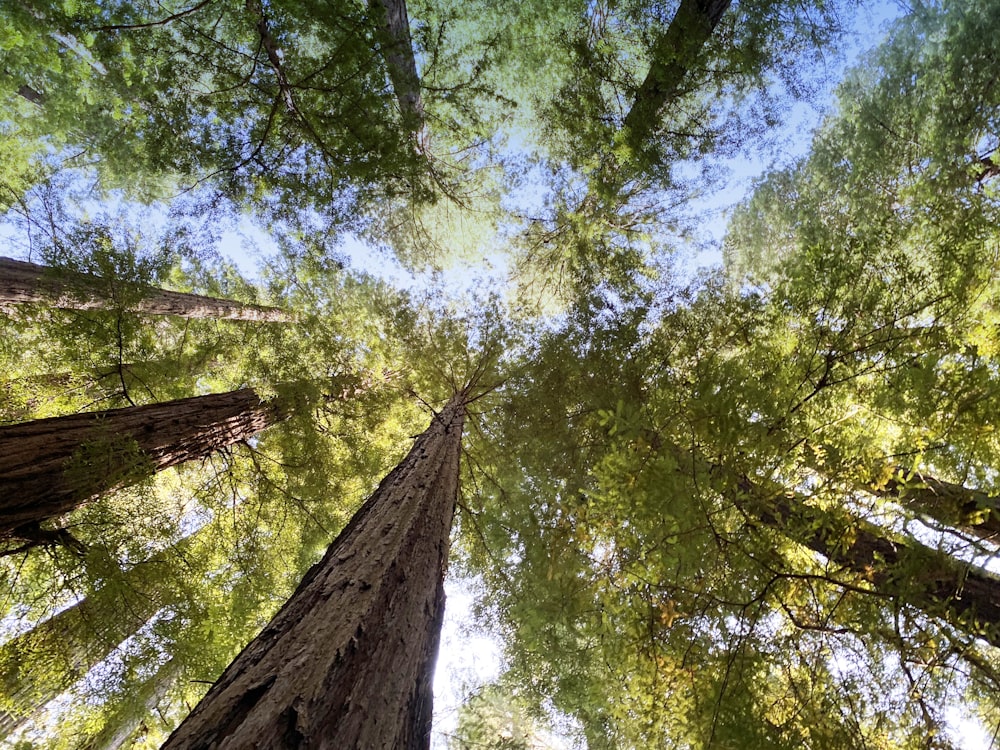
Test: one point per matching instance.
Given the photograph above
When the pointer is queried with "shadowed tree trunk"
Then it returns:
(972, 511)
(48, 467)
(966, 596)
(393, 34)
(38, 665)
(347, 662)
(23, 283)
(674, 53)
(122, 725)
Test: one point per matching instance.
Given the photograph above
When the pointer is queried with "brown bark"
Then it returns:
(48, 467)
(966, 596)
(674, 53)
(24, 283)
(347, 662)
(397, 50)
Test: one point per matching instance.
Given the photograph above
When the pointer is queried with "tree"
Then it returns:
(674, 52)
(362, 628)
(74, 640)
(397, 49)
(25, 283)
(744, 514)
(51, 466)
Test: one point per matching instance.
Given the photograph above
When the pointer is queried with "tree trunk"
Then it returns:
(23, 283)
(674, 53)
(972, 511)
(348, 661)
(393, 33)
(122, 725)
(964, 595)
(50, 466)
(39, 665)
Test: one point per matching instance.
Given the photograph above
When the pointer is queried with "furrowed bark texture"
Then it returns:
(674, 54)
(397, 50)
(50, 466)
(348, 661)
(23, 283)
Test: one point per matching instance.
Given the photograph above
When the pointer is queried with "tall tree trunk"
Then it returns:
(122, 725)
(22, 283)
(37, 666)
(964, 595)
(971, 511)
(674, 53)
(50, 466)
(393, 33)
(967, 510)
(347, 662)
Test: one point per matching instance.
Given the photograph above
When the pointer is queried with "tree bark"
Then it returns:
(964, 595)
(50, 466)
(674, 53)
(24, 283)
(393, 33)
(348, 661)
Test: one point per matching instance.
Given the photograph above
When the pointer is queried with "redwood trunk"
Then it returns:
(48, 467)
(39, 665)
(966, 596)
(674, 53)
(348, 661)
(973, 511)
(124, 723)
(23, 283)
(397, 50)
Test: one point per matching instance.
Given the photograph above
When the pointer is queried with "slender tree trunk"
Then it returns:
(971, 511)
(48, 467)
(347, 662)
(39, 665)
(122, 725)
(397, 49)
(674, 53)
(23, 283)
(966, 596)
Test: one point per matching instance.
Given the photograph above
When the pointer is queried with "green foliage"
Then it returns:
(668, 488)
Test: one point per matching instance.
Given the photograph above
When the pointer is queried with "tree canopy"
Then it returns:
(750, 505)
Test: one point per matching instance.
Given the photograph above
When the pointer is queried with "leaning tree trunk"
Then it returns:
(50, 466)
(393, 34)
(23, 283)
(673, 53)
(37, 666)
(348, 661)
(122, 725)
(955, 505)
(964, 595)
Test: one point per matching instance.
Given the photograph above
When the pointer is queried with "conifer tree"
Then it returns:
(361, 630)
